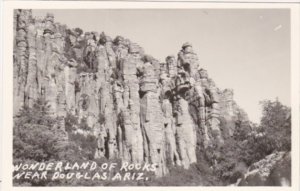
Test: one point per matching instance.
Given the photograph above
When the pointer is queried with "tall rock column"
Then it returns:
(200, 100)
(120, 49)
(104, 86)
(52, 59)
(118, 91)
(58, 49)
(31, 84)
(70, 92)
(111, 122)
(228, 110)
(150, 114)
(186, 133)
(87, 99)
(133, 143)
(110, 53)
(213, 112)
(201, 97)
(21, 64)
(40, 55)
(172, 156)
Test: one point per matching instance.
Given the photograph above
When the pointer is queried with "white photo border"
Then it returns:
(7, 138)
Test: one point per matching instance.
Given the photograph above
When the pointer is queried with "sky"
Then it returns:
(247, 50)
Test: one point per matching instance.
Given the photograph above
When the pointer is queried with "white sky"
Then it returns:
(247, 50)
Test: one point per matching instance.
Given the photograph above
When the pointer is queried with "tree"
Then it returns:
(36, 139)
(273, 133)
(276, 125)
(250, 143)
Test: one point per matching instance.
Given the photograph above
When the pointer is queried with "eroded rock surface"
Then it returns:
(138, 109)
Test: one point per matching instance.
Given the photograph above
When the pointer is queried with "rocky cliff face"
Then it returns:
(140, 110)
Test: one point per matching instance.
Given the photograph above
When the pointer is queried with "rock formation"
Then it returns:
(273, 170)
(139, 110)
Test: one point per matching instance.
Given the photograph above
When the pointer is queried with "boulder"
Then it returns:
(273, 170)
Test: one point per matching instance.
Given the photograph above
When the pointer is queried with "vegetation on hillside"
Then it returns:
(37, 138)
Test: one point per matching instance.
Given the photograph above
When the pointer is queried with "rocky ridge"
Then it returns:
(140, 110)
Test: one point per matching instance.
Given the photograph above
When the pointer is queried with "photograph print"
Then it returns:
(151, 97)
